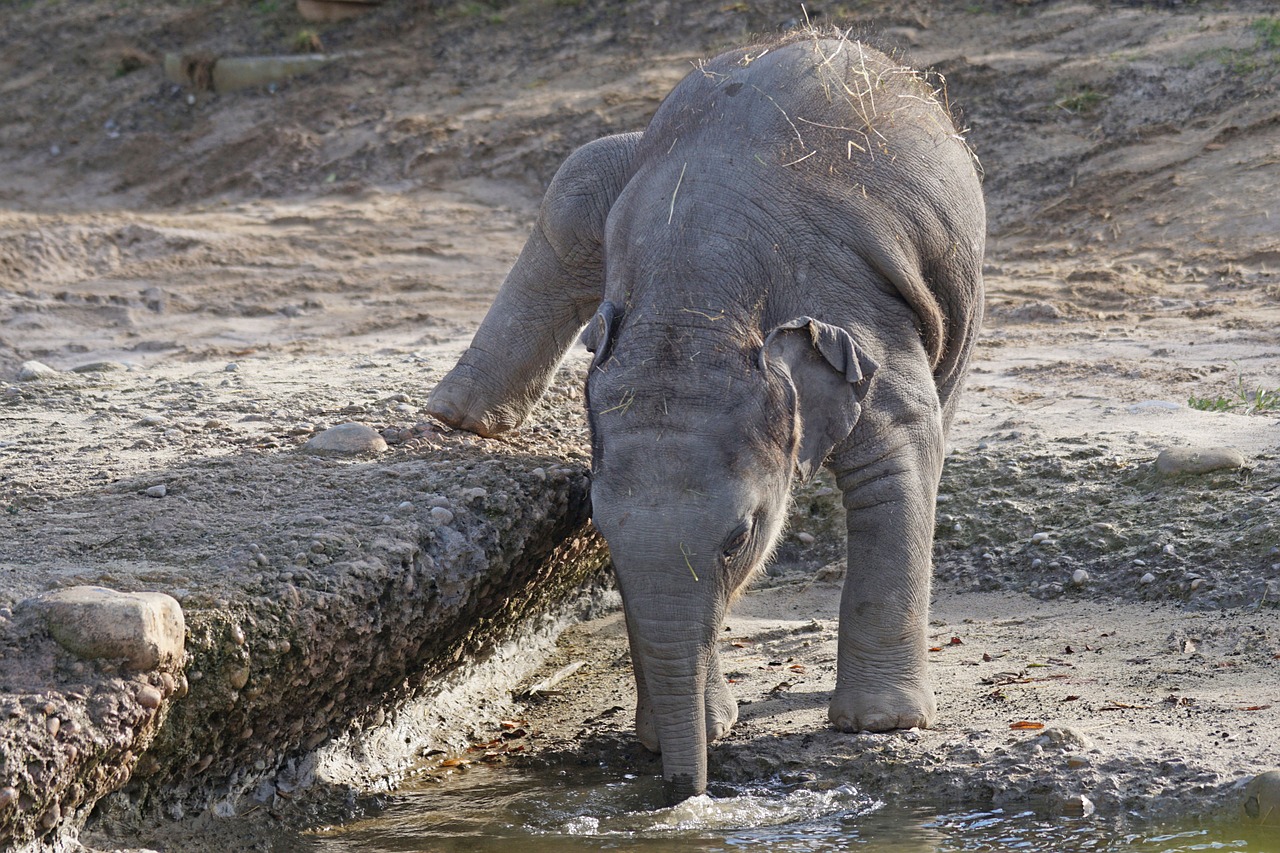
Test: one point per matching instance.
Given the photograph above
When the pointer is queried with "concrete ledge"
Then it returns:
(320, 596)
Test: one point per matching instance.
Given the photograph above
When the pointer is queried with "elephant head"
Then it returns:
(693, 461)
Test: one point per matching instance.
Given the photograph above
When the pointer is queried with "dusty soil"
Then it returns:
(335, 238)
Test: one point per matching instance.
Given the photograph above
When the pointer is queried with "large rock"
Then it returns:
(145, 629)
(32, 370)
(349, 439)
(1198, 460)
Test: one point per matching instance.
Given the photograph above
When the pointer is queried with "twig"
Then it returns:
(685, 553)
(801, 159)
(548, 684)
(672, 212)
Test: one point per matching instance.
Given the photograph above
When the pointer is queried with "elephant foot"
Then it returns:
(456, 403)
(646, 728)
(904, 707)
(721, 707)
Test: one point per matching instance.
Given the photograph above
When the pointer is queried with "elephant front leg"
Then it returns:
(882, 681)
(555, 285)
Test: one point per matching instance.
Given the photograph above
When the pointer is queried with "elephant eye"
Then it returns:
(740, 536)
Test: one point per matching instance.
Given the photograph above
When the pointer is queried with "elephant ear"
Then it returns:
(597, 337)
(830, 375)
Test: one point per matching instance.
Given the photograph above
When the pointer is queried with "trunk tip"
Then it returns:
(681, 787)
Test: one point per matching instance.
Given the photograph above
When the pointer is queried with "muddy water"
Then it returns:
(497, 809)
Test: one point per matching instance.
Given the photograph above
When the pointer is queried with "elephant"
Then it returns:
(782, 271)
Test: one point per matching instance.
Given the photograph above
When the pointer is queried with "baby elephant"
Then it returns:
(783, 270)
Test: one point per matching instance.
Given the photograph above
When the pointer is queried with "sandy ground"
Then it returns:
(365, 217)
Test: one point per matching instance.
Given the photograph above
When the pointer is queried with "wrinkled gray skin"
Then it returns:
(784, 270)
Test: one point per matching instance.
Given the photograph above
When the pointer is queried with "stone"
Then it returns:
(1261, 804)
(1079, 577)
(349, 439)
(32, 370)
(1198, 460)
(1077, 805)
(158, 491)
(146, 629)
(149, 697)
(1063, 738)
(99, 367)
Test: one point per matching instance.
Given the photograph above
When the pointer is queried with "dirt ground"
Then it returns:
(303, 236)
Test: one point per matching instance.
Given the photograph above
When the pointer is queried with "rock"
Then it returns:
(440, 515)
(1262, 799)
(1062, 738)
(349, 439)
(806, 538)
(146, 629)
(149, 697)
(31, 370)
(1148, 578)
(1077, 805)
(1079, 577)
(1198, 460)
(99, 367)
(158, 491)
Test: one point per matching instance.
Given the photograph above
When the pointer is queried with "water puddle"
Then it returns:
(492, 809)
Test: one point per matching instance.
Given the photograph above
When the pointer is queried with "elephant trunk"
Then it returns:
(675, 675)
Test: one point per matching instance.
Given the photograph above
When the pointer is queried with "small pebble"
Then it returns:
(404, 506)
(440, 515)
(154, 420)
(1079, 577)
(806, 538)
(157, 491)
(1037, 563)
(1196, 584)
(149, 697)
(1040, 537)
(1148, 578)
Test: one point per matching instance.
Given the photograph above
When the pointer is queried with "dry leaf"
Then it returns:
(1256, 708)
(1028, 725)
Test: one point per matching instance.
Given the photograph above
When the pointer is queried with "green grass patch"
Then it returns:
(1241, 399)
(1268, 32)
(1081, 102)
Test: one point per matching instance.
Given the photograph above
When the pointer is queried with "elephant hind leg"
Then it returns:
(555, 285)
